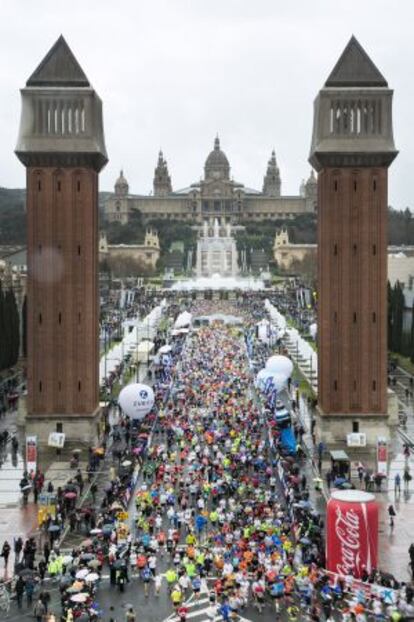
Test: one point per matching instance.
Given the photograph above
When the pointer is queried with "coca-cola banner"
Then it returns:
(351, 532)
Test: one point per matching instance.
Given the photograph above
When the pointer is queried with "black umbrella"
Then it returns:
(25, 572)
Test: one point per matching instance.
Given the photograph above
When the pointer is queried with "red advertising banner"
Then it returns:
(31, 453)
(351, 532)
(382, 455)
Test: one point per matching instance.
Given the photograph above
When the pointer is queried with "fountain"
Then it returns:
(217, 281)
(216, 250)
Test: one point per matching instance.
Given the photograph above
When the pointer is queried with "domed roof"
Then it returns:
(121, 181)
(217, 160)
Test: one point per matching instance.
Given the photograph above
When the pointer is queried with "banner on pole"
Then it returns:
(31, 453)
(382, 455)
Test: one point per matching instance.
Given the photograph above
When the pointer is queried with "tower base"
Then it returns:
(332, 429)
(78, 429)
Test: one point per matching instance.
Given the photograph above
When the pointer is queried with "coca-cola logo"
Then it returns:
(348, 530)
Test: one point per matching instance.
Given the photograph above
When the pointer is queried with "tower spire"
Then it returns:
(162, 180)
(271, 181)
(355, 68)
(59, 68)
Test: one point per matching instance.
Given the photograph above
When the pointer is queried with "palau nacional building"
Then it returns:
(61, 144)
(217, 195)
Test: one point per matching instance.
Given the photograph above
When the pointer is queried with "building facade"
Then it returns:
(352, 148)
(217, 195)
(147, 253)
(61, 143)
(285, 252)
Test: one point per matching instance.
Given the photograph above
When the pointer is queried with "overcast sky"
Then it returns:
(173, 73)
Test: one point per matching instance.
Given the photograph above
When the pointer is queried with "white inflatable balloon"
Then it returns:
(136, 400)
(279, 364)
(279, 381)
(313, 329)
(262, 377)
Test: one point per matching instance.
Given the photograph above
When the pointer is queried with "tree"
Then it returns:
(397, 318)
(24, 336)
(9, 329)
(390, 299)
(3, 348)
(129, 266)
(411, 352)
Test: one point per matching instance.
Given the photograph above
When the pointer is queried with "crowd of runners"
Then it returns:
(217, 511)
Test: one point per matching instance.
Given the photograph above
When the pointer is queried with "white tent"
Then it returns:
(183, 320)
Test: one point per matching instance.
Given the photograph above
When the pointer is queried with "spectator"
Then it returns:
(397, 484)
(5, 552)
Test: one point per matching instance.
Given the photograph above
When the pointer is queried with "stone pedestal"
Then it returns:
(332, 429)
(84, 429)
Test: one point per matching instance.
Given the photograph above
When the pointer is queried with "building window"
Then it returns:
(374, 385)
(60, 318)
(79, 249)
(335, 249)
(355, 427)
(374, 249)
(374, 317)
(374, 185)
(40, 386)
(78, 186)
(354, 317)
(40, 318)
(336, 186)
(59, 186)
(79, 385)
(354, 248)
(39, 185)
(335, 384)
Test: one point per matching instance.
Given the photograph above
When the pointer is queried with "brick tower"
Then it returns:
(352, 148)
(61, 143)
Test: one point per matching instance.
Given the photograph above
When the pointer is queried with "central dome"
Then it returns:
(217, 165)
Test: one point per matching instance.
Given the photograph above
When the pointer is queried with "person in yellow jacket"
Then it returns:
(176, 596)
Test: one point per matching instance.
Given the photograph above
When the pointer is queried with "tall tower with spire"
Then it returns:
(61, 143)
(352, 148)
(121, 186)
(271, 181)
(162, 179)
(311, 192)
